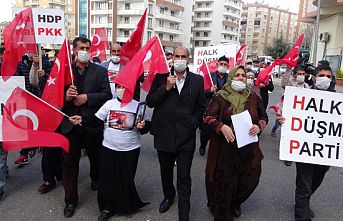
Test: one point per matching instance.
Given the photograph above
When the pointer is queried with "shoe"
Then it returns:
(69, 210)
(201, 151)
(22, 160)
(311, 213)
(2, 196)
(104, 215)
(237, 212)
(288, 163)
(95, 185)
(165, 205)
(46, 187)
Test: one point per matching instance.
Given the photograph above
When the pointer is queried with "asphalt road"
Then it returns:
(273, 199)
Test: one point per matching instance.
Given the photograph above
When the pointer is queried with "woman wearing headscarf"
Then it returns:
(233, 172)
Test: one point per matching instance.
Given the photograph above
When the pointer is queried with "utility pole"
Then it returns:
(316, 33)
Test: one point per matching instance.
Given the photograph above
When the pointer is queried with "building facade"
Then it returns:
(68, 6)
(216, 22)
(2, 26)
(261, 24)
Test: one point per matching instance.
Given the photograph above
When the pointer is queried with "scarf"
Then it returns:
(236, 99)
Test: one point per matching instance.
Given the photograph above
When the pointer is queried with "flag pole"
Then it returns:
(209, 73)
(164, 55)
(40, 99)
(40, 54)
(69, 61)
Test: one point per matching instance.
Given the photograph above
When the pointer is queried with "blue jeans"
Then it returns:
(276, 125)
(3, 167)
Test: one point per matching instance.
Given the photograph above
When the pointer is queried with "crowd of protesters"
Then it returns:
(180, 106)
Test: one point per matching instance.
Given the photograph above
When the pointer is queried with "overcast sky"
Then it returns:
(292, 5)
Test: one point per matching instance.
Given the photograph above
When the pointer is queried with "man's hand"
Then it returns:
(262, 84)
(280, 119)
(71, 93)
(254, 130)
(171, 80)
(76, 119)
(228, 133)
(141, 125)
(80, 100)
(41, 73)
(214, 88)
(35, 60)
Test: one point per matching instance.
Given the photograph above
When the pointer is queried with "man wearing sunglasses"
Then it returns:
(310, 176)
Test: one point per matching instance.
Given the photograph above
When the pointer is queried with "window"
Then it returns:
(172, 13)
(207, 15)
(161, 23)
(205, 34)
(204, 43)
(149, 35)
(162, 10)
(197, 24)
(127, 20)
(257, 22)
(196, 43)
(171, 37)
(126, 34)
(160, 35)
(127, 6)
(199, 5)
(197, 34)
(206, 24)
(172, 26)
(150, 23)
(150, 10)
(208, 5)
(198, 15)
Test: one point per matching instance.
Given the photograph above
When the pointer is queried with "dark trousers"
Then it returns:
(51, 164)
(91, 142)
(184, 163)
(205, 131)
(309, 178)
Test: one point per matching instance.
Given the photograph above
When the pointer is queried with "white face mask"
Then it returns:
(180, 65)
(249, 66)
(120, 93)
(115, 59)
(300, 79)
(238, 86)
(254, 68)
(323, 83)
(250, 83)
(83, 56)
(222, 69)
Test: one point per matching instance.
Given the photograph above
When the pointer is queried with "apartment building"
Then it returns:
(165, 18)
(2, 26)
(216, 22)
(261, 24)
(68, 6)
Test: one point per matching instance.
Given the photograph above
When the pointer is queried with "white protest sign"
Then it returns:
(6, 89)
(313, 129)
(213, 53)
(49, 26)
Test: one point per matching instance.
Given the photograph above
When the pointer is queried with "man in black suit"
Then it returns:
(178, 99)
(90, 90)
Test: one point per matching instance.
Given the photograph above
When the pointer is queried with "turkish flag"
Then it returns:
(60, 76)
(264, 75)
(241, 56)
(212, 65)
(204, 71)
(151, 58)
(29, 122)
(19, 38)
(292, 56)
(133, 44)
(99, 44)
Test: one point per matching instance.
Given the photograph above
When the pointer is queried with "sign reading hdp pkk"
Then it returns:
(313, 130)
(49, 26)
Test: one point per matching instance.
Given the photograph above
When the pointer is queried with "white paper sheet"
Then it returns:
(242, 123)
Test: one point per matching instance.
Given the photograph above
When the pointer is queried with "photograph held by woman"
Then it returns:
(232, 173)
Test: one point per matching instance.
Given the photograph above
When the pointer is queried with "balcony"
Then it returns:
(232, 5)
(124, 25)
(202, 38)
(165, 29)
(203, 18)
(101, 12)
(32, 3)
(203, 9)
(202, 28)
(130, 12)
(57, 2)
(173, 44)
(231, 24)
(170, 5)
(231, 14)
(168, 17)
(100, 25)
(228, 41)
(234, 33)
(122, 38)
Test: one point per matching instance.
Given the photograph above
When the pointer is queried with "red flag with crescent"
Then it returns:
(60, 76)
(292, 56)
(241, 56)
(133, 44)
(29, 122)
(19, 39)
(204, 71)
(99, 44)
(151, 58)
